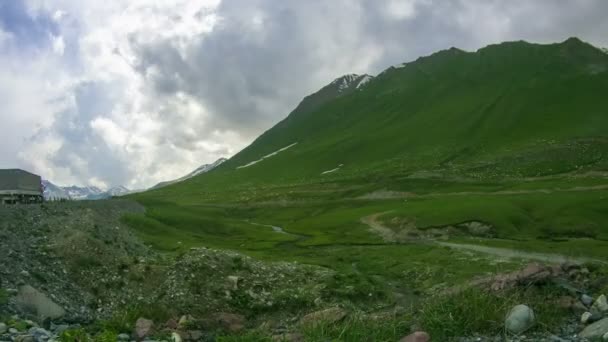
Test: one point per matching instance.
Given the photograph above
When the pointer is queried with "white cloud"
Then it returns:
(58, 45)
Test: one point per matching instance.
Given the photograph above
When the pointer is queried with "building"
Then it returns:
(18, 186)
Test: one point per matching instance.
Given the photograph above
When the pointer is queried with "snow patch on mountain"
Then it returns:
(267, 156)
(345, 81)
(332, 170)
(364, 80)
(200, 170)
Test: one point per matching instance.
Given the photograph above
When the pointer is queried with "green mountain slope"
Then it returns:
(450, 167)
(506, 110)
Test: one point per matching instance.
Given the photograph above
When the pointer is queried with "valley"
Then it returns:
(391, 201)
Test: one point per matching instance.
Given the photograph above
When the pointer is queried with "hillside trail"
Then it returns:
(383, 195)
(389, 236)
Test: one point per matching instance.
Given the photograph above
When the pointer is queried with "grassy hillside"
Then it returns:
(504, 147)
(510, 110)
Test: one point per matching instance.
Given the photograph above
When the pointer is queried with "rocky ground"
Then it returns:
(70, 266)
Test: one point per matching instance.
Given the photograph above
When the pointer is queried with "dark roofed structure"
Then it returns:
(19, 186)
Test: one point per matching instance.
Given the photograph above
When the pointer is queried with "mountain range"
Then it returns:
(514, 109)
(77, 193)
(55, 192)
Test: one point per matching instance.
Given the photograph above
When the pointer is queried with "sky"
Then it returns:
(134, 92)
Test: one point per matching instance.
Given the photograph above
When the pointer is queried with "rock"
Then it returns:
(25, 338)
(143, 328)
(123, 337)
(234, 282)
(288, 337)
(13, 331)
(3, 328)
(31, 300)
(185, 322)
(39, 334)
(175, 337)
(600, 305)
(605, 337)
(230, 322)
(418, 336)
(519, 319)
(585, 317)
(330, 316)
(596, 330)
(586, 299)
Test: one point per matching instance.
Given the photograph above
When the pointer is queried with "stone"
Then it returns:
(25, 338)
(418, 336)
(39, 334)
(234, 282)
(143, 328)
(185, 322)
(31, 300)
(123, 337)
(605, 337)
(331, 315)
(230, 322)
(585, 317)
(600, 305)
(3, 328)
(175, 337)
(595, 330)
(13, 331)
(586, 299)
(288, 337)
(520, 318)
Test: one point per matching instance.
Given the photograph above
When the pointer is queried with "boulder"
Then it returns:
(185, 322)
(25, 338)
(585, 317)
(600, 305)
(595, 330)
(3, 328)
(37, 303)
(143, 328)
(175, 337)
(520, 318)
(586, 299)
(123, 337)
(330, 316)
(418, 336)
(233, 282)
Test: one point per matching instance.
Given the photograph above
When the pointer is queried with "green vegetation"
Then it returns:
(511, 137)
(3, 297)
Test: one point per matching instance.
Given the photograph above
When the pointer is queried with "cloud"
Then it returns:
(133, 92)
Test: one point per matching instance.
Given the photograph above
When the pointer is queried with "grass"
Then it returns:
(512, 135)
(3, 297)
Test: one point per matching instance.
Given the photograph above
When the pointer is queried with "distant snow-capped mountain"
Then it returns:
(55, 192)
(200, 170)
